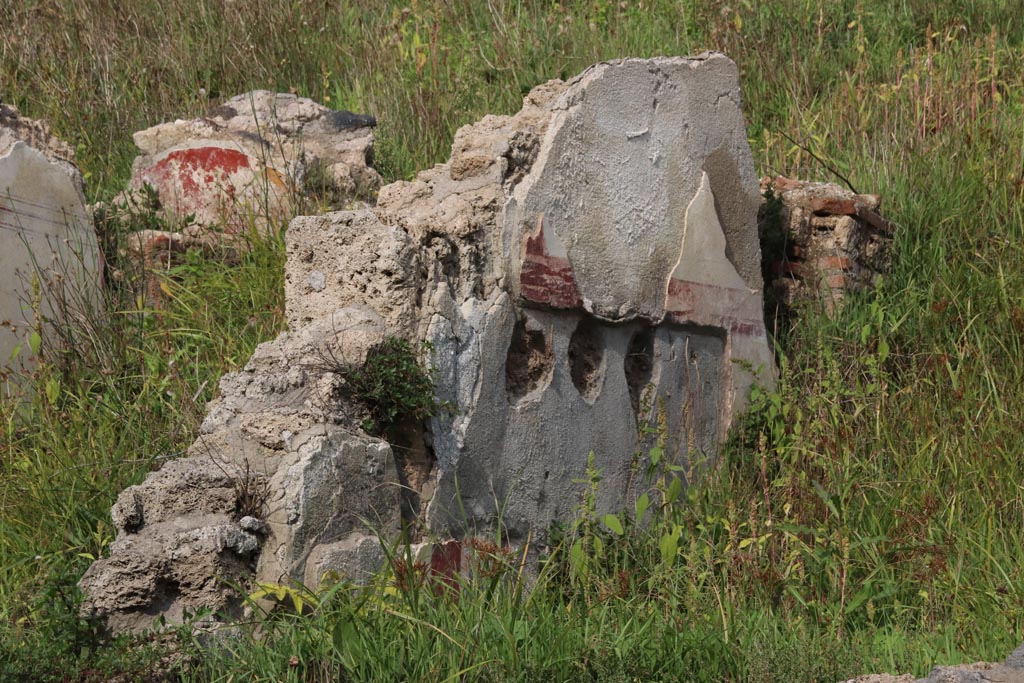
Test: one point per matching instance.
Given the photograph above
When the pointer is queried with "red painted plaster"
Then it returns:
(212, 164)
(445, 565)
(545, 279)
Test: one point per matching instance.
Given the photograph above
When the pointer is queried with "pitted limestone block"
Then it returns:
(178, 548)
(170, 568)
(342, 339)
(180, 487)
(46, 237)
(348, 258)
(275, 452)
(289, 383)
(451, 210)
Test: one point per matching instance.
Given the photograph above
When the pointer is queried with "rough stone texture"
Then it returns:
(578, 268)
(249, 158)
(351, 257)
(1011, 670)
(356, 558)
(586, 271)
(835, 241)
(45, 234)
(278, 471)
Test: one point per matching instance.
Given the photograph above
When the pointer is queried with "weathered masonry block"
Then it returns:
(631, 266)
(587, 272)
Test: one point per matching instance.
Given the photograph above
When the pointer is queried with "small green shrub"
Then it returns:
(395, 384)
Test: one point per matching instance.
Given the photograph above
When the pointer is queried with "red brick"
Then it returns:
(833, 263)
(875, 220)
(833, 206)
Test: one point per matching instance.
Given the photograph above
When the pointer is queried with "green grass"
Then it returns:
(124, 399)
(869, 515)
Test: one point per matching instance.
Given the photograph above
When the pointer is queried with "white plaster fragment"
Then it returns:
(702, 256)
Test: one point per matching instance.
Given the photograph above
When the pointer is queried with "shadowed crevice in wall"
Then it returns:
(529, 362)
(639, 366)
(586, 359)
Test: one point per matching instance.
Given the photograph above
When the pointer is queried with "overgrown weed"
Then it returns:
(96, 417)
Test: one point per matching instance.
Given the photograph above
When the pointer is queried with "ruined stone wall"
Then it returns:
(827, 242)
(587, 274)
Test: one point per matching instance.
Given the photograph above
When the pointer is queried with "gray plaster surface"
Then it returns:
(622, 158)
(520, 453)
(47, 244)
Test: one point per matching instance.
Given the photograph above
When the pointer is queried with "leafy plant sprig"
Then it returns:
(394, 383)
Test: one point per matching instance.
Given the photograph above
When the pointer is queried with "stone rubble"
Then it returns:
(275, 473)
(1011, 670)
(587, 274)
(835, 241)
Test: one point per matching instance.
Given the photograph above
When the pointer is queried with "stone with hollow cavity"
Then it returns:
(587, 273)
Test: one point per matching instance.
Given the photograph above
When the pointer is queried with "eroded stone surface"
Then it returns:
(351, 257)
(46, 235)
(586, 272)
(578, 267)
(279, 469)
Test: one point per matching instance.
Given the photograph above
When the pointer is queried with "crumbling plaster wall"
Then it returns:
(586, 272)
(579, 268)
